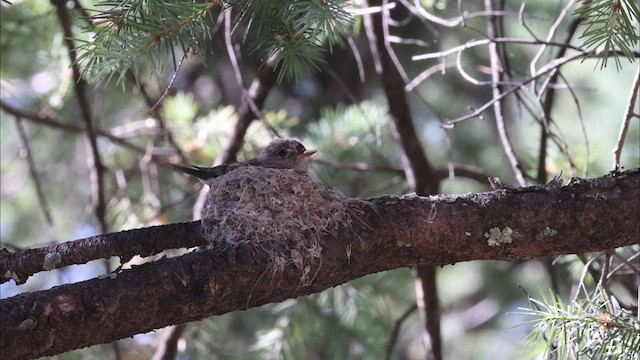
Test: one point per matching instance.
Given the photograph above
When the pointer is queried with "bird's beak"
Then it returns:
(307, 153)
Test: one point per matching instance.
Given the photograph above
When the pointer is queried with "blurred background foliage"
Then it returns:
(341, 111)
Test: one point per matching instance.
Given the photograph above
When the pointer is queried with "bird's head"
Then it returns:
(286, 154)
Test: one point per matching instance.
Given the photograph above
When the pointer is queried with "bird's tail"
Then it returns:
(202, 173)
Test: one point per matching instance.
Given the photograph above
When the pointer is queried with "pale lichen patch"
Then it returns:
(497, 237)
(9, 274)
(51, 260)
(549, 232)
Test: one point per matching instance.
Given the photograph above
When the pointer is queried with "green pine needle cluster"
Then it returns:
(294, 31)
(611, 26)
(592, 328)
(130, 34)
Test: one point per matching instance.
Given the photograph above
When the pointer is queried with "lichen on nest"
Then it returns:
(277, 211)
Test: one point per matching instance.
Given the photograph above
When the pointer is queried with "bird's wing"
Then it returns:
(203, 173)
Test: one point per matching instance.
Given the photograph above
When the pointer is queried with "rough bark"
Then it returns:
(126, 244)
(584, 216)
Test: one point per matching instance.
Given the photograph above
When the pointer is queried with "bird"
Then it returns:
(279, 154)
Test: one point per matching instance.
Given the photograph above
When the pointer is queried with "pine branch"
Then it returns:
(611, 25)
(132, 33)
(295, 29)
(587, 327)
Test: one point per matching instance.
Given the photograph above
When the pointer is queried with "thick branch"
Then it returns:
(586, 215)
(149, 241)
(126, 244)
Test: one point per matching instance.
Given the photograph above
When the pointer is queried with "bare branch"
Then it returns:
(628, 114)
(432, 70)
(358, 58)
(35, 177)
(149, 241)
(550, 35)
(44, 119)
(80, 85)
(170, 85)
(393, 338)
(434, 19)
(168, 344)
(547, 106)
(417, 168)
(429, 306)
(583, 127)
(254, 99)
(475, 43)
(452, 171)
(549, 67)
(497, 89)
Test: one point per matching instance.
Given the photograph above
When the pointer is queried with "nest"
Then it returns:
(279, 212)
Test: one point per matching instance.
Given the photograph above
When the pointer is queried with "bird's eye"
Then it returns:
(282, 153)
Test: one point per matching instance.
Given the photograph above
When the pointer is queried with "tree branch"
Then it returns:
(497, 89)
(80, 85)
(257, 94)
(628, 114)
(547, 106)
(393, 338)
(551, 66)
(399, 232)
(418, 171)
(35, 177)
(41, 118)
(149, 241)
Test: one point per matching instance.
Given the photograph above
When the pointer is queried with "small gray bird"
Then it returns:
(279, 154)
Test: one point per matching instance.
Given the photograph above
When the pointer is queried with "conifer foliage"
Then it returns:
(126, 34)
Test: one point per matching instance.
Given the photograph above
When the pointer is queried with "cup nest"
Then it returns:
(279, 212)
